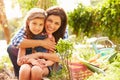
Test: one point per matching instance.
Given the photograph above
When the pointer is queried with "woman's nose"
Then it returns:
(52, 25)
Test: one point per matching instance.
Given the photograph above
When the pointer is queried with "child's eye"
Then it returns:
(34, 23)
(41, 24)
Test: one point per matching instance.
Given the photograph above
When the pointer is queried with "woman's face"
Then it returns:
(36, 25)
(52, 24)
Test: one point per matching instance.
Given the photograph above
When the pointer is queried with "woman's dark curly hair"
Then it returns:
(58, 11)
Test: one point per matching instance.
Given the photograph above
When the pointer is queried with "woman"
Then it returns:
(56, 22)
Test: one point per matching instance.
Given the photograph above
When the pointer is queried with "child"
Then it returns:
(34, 26)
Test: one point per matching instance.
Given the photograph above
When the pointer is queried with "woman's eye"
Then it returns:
(49, 20)
(57, 23)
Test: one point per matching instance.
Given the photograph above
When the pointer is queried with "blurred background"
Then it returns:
(86, 19)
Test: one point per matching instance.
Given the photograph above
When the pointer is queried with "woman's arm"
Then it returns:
(53, 57)
(19, 41)
(46, 43)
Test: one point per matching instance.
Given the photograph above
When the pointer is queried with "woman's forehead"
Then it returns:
(54, 17)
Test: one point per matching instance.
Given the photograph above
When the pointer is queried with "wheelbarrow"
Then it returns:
(103, 46)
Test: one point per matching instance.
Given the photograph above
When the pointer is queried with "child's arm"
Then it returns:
(21, 59)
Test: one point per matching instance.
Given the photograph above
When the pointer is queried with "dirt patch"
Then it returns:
(6, 76)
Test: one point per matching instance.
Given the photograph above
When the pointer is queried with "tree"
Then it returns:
(28, 4)
(3, 21)
(46, 3)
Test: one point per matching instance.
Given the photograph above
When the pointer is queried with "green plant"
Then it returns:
(64, 49)
(104, 20)
(5, 59)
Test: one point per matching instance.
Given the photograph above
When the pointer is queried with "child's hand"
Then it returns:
(49, 63)
(19, 62)
(42, 62)
(45, 63)
(37, 63)
(22, 60)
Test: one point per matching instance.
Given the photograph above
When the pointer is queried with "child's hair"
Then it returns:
(33, 14)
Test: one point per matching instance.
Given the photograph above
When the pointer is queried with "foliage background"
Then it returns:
(91, 21)
(103, 20)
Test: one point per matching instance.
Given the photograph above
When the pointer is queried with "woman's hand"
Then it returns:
(49, 44)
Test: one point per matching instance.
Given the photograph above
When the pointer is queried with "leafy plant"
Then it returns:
(64, 48)
(5, 59)
(103, 20)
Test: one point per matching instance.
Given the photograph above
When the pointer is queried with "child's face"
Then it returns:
(52, 24)
(36, 25)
